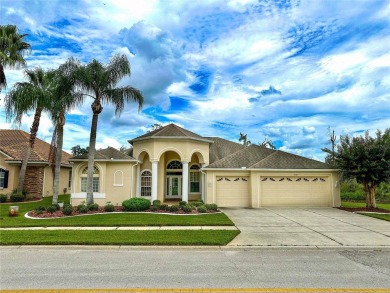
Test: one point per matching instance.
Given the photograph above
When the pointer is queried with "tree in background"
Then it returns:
(367, 159)
(99, 82)
(330, 157)
(267, 143)
(77, 150)
(12, 50)
(154, 127)
(244, 139)
(35, 94)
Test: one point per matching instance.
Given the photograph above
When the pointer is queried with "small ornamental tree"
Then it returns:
(367, 159)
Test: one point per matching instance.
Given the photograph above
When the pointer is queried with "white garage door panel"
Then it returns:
(295, 191)
(233, 191)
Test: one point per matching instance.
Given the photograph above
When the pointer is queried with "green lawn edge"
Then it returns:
(353, 204)
(377, 216)
(152, 237)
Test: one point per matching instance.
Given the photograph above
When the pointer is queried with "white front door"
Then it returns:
(174, 183)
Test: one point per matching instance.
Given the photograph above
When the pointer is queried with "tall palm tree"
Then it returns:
(35, 94)
(63, 101)
(12, 50)
(99, 82)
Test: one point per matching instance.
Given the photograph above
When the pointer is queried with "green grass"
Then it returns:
(379, 216)
(167, 237)
(122, 219)
(349, 204)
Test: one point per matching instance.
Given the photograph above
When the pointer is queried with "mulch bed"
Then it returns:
(371, 210)
(59, 214)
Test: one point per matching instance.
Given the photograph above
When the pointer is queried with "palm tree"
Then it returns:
(244, 139)
(63, 101)
(36, 94)
(99, 82)
(12, 50)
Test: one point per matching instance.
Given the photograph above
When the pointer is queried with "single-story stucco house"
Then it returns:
(39, 174)
(172, 163)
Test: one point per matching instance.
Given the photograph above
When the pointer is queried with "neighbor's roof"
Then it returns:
(258, 157)
(107, 154)
(14, 143)
(171, 131)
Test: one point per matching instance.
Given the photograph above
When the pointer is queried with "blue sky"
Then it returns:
(285, 70)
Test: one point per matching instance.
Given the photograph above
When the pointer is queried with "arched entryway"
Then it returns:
(174, 179)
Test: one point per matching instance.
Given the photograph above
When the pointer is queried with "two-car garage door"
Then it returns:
(295, 191)
(234, 191)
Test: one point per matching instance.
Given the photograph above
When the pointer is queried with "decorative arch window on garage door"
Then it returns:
(95, 180)
(146, 183)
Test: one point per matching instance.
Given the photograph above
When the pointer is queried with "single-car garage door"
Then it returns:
(295, 191)
(233, 191)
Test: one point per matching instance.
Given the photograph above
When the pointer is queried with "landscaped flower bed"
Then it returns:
(131, 205)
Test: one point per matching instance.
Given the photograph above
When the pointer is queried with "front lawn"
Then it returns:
(152, 237)
(378, 216)
(108, 219)
(350, 204)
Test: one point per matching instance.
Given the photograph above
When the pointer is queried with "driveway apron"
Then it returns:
(316, 227)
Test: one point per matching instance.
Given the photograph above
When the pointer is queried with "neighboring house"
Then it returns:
(172, 163)
(39, 175)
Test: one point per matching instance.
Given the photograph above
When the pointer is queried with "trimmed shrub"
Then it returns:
(109, 208)
(57, 206)
(93, 207)
(40, 209)
(182, 203)
(163, 207)
(136, 204)
(67, 210)
(202, 209)
(200, 200)
(173, 208)
(68, 206)
(82, 208)
(198, 204)
(188, 208)
(156, 203)
(153, 208)
(3, 197)
(51, 209)
(17, 197)
(211, 207)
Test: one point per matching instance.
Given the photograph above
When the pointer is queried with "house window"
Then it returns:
(146, 183)
(195, 178)
(175, 165)
(95, 180)
(3, 178)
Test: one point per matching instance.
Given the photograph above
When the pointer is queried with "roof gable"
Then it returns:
(109, 153)
(170, 130)
(15, 142)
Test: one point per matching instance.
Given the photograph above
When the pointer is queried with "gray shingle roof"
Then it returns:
(170, 130)
(105, 154)
(257, 157)
(222, 148)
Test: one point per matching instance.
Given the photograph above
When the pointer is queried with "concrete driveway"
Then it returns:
(316, 227)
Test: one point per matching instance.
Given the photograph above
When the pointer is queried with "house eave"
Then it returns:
(104, 160)
(270, 170)
(6, 155)
(171, 138)
(29, 163)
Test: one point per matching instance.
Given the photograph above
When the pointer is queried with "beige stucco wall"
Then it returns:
(115, 182)
(255, 182)
(48, 181)
(12, 177)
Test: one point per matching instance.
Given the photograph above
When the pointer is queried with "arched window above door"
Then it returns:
(174, 165)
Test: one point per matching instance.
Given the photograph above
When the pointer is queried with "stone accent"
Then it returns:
(33, 182)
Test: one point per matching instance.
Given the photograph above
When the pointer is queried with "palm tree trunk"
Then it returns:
(60, 138)
(33, 135)
(97, 109)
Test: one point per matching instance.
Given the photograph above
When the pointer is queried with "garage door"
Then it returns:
(295, 191)
(233, 191)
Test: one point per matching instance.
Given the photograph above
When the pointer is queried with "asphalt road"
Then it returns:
(113, 267)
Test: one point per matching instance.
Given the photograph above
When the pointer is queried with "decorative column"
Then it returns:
(203, 184)
(185, 181)
(138, 181)
(154, 180)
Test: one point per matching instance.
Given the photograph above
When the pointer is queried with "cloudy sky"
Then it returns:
(283, 70)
